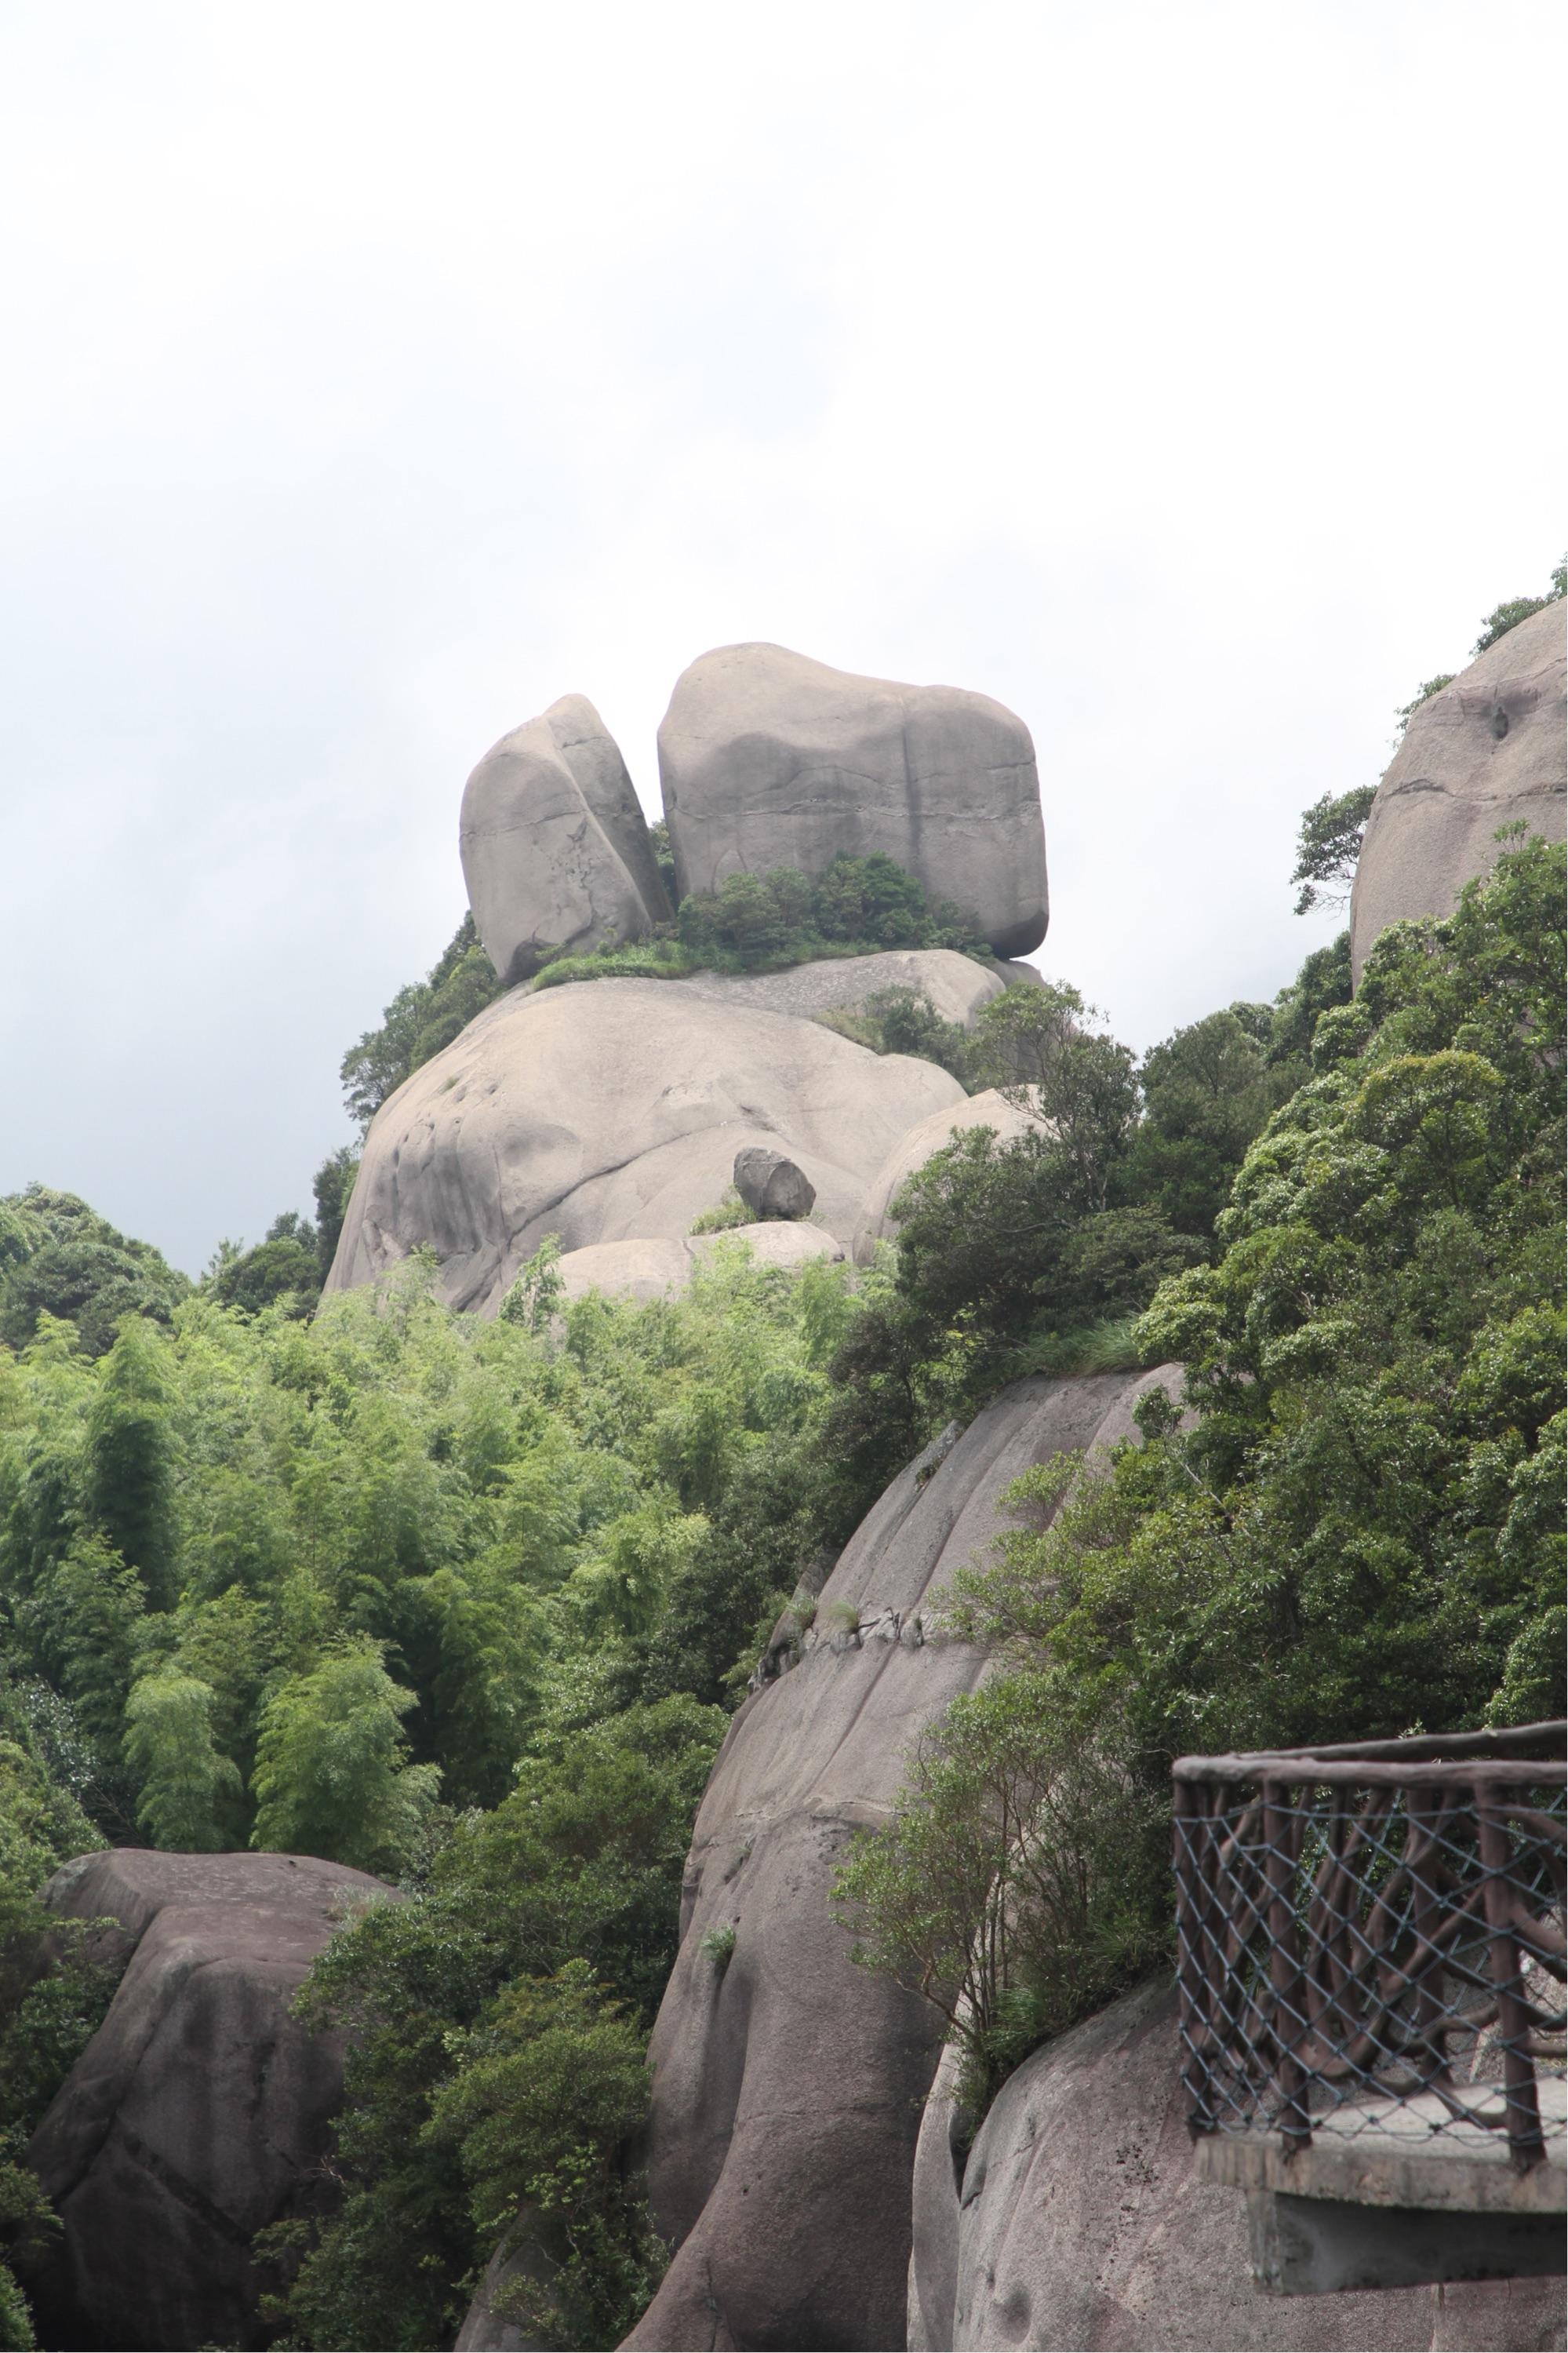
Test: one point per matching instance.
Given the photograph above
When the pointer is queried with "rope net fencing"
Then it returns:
(1371, 1939)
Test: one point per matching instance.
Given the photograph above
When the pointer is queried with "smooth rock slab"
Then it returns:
(767, 758)
(1080, 2224)
(1486, 751)
(555, 851)
(610, 1110)
(788, 2087)
(201, 2110)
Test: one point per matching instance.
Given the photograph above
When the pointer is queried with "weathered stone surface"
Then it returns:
(776, 1243)
(770, 1183)
(641, 1270)
(612, 1111)
(555, 848)
(956, 985)
(787, 2086)
(1081, 2225)
(991, 1109)
(1486, 751)
(200, 2111)
(636, 1270)
(768, 759)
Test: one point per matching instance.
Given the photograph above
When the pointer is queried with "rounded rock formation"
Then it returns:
(555, 848)
(956, 987)
(610, 1110)
(767, 758)
(770, 1183)
(921, 1144)
(638, 1271)
(201, 2110)
(1485, 751)
(1078, 2221)
(787, 2085)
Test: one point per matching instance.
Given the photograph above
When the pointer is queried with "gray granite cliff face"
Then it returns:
(1486, 751)
(767, 758)
(787, 2085)
(555, 848)
(612, 1111)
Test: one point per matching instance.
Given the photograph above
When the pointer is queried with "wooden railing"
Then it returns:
(1371, 1937)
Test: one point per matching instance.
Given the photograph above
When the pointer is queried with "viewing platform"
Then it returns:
(1371, 1960)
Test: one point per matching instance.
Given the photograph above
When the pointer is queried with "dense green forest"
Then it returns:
(469, 1604)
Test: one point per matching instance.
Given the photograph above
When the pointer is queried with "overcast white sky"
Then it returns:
(1187, 376)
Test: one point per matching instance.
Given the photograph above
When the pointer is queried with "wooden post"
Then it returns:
(1189, 1815)
(1524, 2137)
(1284, 1967)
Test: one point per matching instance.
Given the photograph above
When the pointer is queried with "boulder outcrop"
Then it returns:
(787, 2082)
(956, 985)
(918, 1145)
(555, 851)
(770, 1183)
(641, 1270)
(1485, 751)
(767, 758)
(1077, 2223)
(200, 2111)
(612, 1111)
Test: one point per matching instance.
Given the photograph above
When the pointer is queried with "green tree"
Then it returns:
(130, 1457)
(1359, 1531)
(59, 1258)
(473, 2081)
(331, 1775)
(1509, 614)
(333, 1186)
(420, 1021)
(284, 1268)
(1328, 846)
(189, 1792)
(545, 2093)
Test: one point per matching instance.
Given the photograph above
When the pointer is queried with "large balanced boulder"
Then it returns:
(1077, 2223)
(1486, 751)
(610, 1110)
(767, 759)
(787, 2083)
(555, 851)
(201, 2110)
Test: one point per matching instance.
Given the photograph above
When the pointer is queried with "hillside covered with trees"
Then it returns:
(469, 1605)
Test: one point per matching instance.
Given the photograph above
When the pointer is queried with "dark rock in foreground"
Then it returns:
(201, 2110)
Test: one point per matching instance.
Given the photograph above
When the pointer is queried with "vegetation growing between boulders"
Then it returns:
(1360, 1534)
(469, 1605)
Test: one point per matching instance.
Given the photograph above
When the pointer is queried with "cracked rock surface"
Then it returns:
(787, 2085)
(1485, 751)
(200, 2111)
(555, 851)
(610, 1110)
